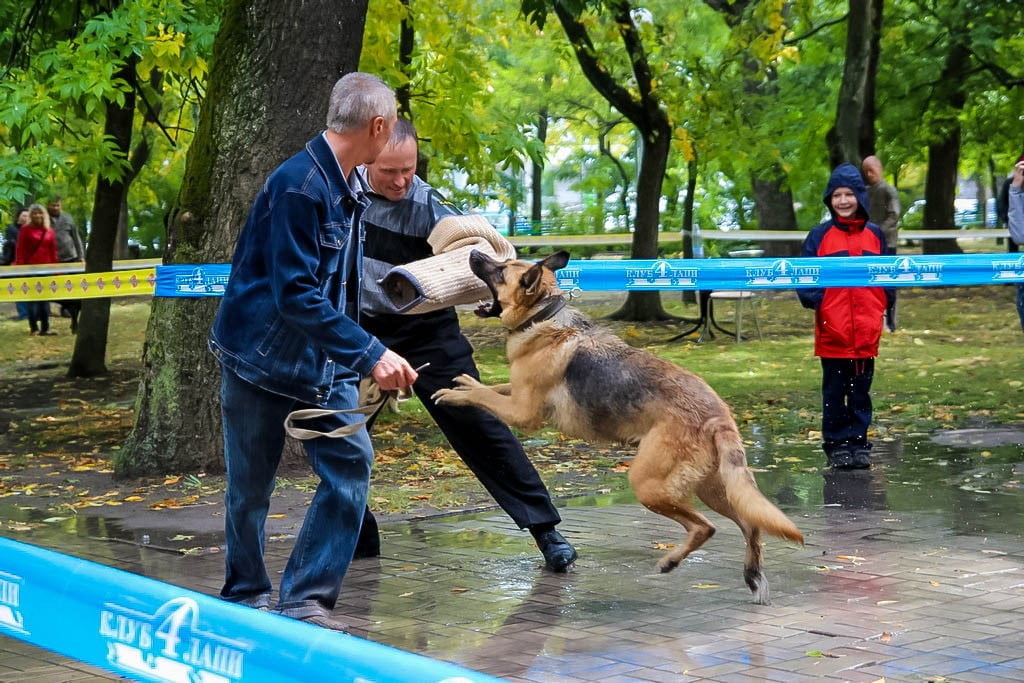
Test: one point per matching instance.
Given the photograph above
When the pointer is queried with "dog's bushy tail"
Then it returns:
(741, 489)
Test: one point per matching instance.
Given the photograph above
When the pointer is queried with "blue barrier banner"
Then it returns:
(152, 631)
(192, 280)
(710, 274)
(792, 273)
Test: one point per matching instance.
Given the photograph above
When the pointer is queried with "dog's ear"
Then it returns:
(531, 279)
(556, 260)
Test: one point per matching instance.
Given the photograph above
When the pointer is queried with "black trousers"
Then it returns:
(845, 401)
(487, 446)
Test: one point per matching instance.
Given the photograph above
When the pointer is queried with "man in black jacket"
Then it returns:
(402, 213)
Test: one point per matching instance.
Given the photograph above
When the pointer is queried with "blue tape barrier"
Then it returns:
(153, 631)
(710, 274)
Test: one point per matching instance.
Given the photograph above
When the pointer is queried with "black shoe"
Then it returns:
(841, 458)
(861, 459)
(368, 543)
(367, 548)
(558, 552)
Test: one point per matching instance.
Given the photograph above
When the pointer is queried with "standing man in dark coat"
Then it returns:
(883, 211)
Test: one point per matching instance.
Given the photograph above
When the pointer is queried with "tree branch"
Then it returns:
(596, 73)
(816, 29)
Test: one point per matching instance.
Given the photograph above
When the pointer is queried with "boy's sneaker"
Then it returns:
(842, 458)
(861, 459)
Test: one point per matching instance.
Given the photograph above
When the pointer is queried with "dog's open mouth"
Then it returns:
(489, 309)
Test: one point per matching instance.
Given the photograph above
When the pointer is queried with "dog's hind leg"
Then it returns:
(663, 485)
(712, 492)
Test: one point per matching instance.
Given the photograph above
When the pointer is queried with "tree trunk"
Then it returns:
(939, 191)
(645, 112)
(642, 306)
(866, 140)
(844, 139)
(944, 151)
(537, 169)
(269, 86)
(689, 296)
(773, 205)
(89, 357)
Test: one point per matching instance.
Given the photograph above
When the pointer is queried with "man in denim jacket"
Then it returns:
(287, 338)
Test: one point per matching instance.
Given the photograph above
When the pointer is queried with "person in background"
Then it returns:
(69, 250)
(1003, 203)
(7, 255)
(847, 321)
(402, 214)
(37, 245)
(69, 243)
(883, 211)
(1015, 222)
(287, 338)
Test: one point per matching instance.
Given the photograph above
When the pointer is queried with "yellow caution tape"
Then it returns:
(79, 285)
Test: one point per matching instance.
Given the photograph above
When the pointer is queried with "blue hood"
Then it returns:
(847, 175)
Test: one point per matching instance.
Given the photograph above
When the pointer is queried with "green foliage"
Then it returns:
(57, 84)
(742, 95)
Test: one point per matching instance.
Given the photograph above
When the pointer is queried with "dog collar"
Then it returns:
(552, 306)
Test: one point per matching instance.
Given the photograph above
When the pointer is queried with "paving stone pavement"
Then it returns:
(873, 594)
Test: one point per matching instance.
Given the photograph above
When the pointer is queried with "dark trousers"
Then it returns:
(845, 401)
(72, 307)
(1020, 304)
(890, 313)
(487, 446)
(39, 316)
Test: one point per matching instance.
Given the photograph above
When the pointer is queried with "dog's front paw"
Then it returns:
(451, 397)
(465, 382)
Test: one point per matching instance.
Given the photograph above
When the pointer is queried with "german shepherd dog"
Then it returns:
(594, 386)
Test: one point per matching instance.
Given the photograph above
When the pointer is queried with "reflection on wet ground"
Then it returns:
(913, 570)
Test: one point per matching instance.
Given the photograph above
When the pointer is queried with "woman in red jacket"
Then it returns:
(847, 322)
(37, 244)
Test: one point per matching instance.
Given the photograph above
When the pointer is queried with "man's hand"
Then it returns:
(1018, 175)
(393, 372)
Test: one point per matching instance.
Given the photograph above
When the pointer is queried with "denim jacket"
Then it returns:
(287, 322)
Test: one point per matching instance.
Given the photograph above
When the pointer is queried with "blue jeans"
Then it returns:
(39, 316)
(253, 441)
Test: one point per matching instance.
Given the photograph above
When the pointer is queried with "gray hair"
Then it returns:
(357, 98)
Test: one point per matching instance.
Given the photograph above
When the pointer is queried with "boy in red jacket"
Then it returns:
(36, 244)
(847, 322)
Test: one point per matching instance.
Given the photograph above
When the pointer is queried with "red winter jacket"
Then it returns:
(847, 320)
(36, 244)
